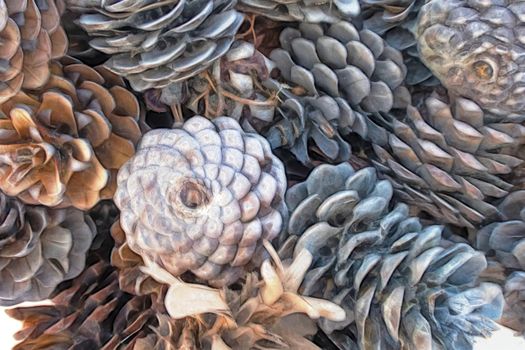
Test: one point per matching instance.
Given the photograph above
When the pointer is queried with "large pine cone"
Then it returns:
(340, 61)
(30, 36)
(155, 43)
(476, 49)
(401, 285)
(62, 145)
(39, 248)
(302, 10)
(504, 244)
(449, 160)
(211, 192)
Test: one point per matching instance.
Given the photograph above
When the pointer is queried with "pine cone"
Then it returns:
(395, 21)
(400, 285)
(154, 44)
(39, 248)
(62, 145)
(89, 313)
(449, 160)
(475, 49)
(504, 244)
(212, 194)
(340, 61)
(302, 10)
(31, 36)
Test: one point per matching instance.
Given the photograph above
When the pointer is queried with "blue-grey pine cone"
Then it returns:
(338, 60)
(401, 284)
(156, 43)
(202, 198)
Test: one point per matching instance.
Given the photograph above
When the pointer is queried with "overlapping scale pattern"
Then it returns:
(156, 43)
(30, 37)
(201, 198)
(450, 160)
(338, 60)
(476, 49)
(504, 244)
(39, 248)
(400, 283)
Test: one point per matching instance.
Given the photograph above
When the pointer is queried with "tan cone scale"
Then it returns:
(30, 36)
(63, 144)
(211, 192)
(39, 248)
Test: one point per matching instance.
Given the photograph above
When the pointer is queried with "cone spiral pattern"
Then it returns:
(340, 61)
(30, 37)
(476, 49)
(212, 193)
(401, 285)
(156, 43)
(62, 145)
(449, 160)
(39, 248)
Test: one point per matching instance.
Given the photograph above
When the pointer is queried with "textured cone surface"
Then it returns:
(504, 244)
(449, 160)
(339, 61)
(395, 21)
(302, 10)
(39, 248)
(211, 192)
(400, 284)
(476, 49)
(30, 36)
(63, 145)
(90, 313)
(155, 43)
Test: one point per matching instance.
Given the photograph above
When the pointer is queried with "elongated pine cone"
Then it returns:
(449, 160)
(30, 36)
(211, 192)
(62, 145)
(476, 49)
(302, 10)
(340, 61)
(400, 284)
(154, 44)
(39, 248)
(504, 244)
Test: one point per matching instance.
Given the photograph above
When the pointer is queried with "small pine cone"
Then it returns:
(63, 145)
(449, 160)
(400, 286)
(302, 10)
(340, 61)
(475, 48)
(39, 248)
(89, 313)
(504, 244)
(212, 193)
(154, 44)
(394, 20)
(30, 36)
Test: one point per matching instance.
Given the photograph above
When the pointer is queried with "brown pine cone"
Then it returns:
(39, 248)
(30, 36)
(212, 193)
(63, 144)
